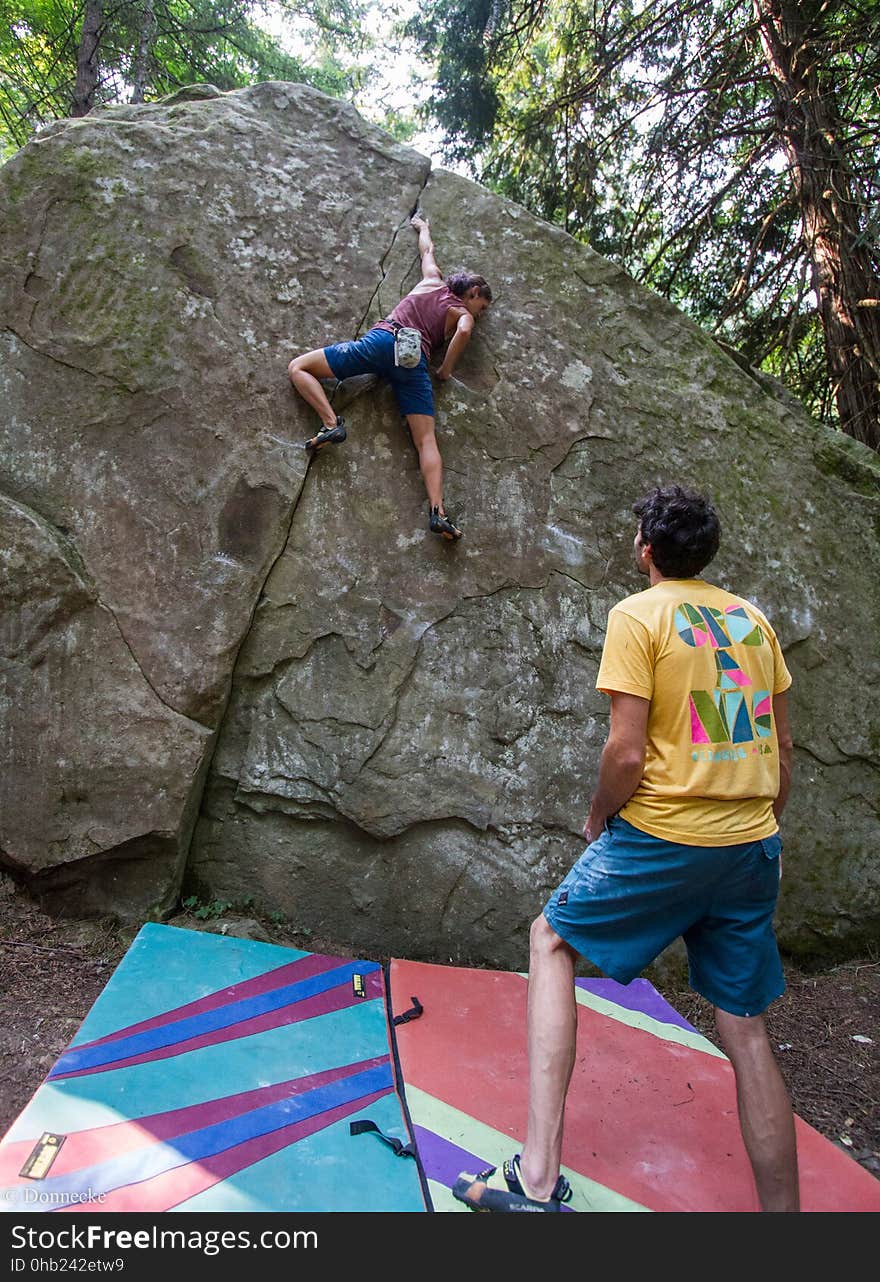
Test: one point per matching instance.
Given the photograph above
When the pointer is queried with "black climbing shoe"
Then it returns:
(328, 435)
(441, 524)
(503, 1190)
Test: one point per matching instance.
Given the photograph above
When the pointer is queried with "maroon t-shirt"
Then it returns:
(427, 313)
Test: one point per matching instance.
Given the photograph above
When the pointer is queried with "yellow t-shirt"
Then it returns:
(710, 664)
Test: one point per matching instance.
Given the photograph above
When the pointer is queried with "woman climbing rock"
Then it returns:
(441, 311)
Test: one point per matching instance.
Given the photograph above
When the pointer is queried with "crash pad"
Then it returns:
(218, 1074)
(651, 1118)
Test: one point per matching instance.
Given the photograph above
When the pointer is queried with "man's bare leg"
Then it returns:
(305, 371)
(765, 1114)
(552, 1035)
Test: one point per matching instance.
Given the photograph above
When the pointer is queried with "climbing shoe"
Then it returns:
(441, 524)
(494, 1190)
(328, 435)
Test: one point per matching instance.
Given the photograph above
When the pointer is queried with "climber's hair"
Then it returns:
(682, 528)
(461, 282)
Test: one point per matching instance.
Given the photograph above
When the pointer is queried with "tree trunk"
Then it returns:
(145, 43)
(843, 276)
(87, 59)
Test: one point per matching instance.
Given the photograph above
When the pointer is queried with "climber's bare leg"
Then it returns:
(305, 371)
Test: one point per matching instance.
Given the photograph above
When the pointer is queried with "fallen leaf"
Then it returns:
(859, 1037)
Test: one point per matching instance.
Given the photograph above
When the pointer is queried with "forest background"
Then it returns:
(726, 153)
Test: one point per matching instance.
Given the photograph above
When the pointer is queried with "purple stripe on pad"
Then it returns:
(640, 995)
(281, 976)
(179, 1121)
(444, 1161)
(201, 1145)
(303, 995)
(336, 999)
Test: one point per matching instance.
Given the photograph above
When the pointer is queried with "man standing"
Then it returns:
(442, 311)
(683, 840)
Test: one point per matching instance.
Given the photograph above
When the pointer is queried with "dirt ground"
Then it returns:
(825, 1030)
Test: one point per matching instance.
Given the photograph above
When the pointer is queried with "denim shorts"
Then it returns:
(374, 354)
(631, 894)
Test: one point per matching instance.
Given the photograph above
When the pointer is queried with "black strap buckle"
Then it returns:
(400, 1149)
(413, 1013)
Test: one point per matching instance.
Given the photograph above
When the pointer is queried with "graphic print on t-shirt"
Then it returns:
(733, 711)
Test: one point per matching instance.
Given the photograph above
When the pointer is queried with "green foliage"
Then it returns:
(401, 125)
(206, 911)
(654, 132)
(154, 47)
(465, 99)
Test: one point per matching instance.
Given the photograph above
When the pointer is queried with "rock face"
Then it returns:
(225, 663)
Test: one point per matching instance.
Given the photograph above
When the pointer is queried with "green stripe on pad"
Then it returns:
(494, 1146)
(637, 1019)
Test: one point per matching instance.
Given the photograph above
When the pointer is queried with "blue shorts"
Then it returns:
(374, 354)
(631, 894)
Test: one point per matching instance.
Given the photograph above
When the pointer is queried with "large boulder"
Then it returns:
(225, 663)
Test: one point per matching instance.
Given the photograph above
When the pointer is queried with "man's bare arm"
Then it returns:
(623, 760)
(786, 750)
(430, 270)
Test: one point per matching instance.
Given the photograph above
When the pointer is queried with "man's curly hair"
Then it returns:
(682, 528)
